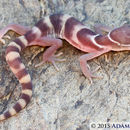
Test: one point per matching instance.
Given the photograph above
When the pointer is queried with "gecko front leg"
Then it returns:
(83, 62)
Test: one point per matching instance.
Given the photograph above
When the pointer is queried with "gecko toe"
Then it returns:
(41, 63)
(2, 41)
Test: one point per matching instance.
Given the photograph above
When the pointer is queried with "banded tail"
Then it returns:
(18, 68)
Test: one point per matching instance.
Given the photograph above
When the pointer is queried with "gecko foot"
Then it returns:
(87, 73)
(90, 75)
(2, 40)
(52, 60)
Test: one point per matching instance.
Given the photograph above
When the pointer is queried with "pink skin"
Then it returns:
(14, 27)
(49, 54)
(83, 62)
(122, 35)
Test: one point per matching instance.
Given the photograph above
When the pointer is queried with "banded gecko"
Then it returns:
(48, 32)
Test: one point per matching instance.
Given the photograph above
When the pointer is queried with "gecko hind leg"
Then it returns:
(14, 27)
(49, 54)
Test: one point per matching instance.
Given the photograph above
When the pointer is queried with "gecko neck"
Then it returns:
(107, 42)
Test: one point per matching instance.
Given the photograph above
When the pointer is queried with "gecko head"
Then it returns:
(122, 35)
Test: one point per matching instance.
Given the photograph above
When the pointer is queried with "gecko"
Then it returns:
(49, 31)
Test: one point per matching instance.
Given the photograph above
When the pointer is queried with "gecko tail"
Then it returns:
(21, 103)
(18, 68)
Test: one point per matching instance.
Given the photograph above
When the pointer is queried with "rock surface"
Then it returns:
(65, 100)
